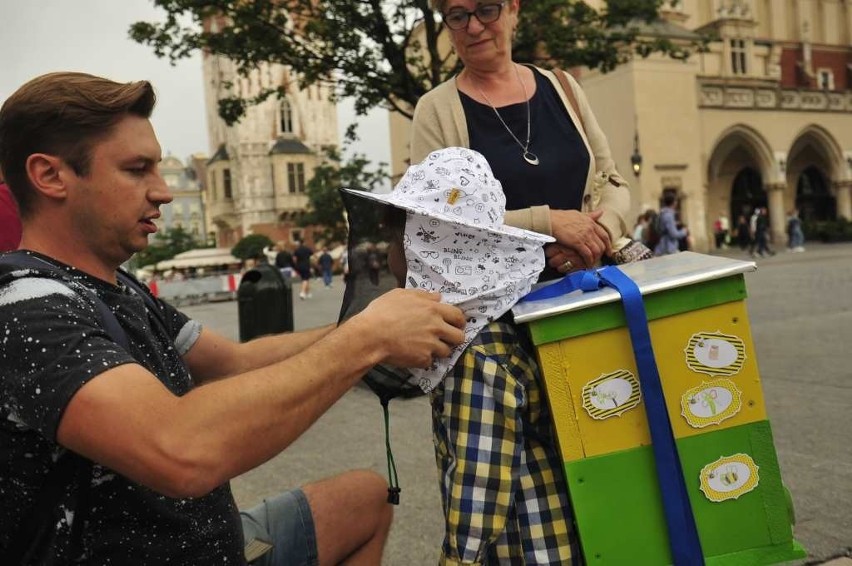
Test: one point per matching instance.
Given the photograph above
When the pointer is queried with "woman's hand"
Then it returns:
(580, 240)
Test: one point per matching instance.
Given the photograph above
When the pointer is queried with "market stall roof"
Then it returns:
(206, 257)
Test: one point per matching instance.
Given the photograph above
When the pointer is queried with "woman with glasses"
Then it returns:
(555, 166)
(502, 485)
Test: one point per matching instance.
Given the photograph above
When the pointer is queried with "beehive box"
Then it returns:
(703, 348)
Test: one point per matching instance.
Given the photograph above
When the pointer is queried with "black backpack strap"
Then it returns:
(111, 325)
(151, 304)
(140, 290)
(34, 528)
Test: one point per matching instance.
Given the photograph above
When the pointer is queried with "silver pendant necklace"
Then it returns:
(529, 156)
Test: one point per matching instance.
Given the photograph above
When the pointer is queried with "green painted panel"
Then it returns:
(657, 305)
(617, 506)
(756, 519)
(620, 519)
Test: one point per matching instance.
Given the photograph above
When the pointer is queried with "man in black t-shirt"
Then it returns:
(284, 261)
(162, 425)
(302, 256)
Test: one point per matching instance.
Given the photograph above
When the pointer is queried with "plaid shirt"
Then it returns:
(502, 483)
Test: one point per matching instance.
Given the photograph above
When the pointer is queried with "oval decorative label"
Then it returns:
(711, 403)
(611, 394)
(729, 477)
(715, 354)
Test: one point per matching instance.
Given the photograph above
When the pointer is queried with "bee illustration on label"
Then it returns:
(729, 477)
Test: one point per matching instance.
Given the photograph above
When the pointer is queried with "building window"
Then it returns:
(738, 57)
(285, 123)
(226, 182)
(296, 177)
(825, 79)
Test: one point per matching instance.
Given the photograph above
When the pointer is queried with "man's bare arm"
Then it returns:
(213, 356)
(185, 446)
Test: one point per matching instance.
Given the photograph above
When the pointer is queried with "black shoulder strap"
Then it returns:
(111, 325)
(34, 528)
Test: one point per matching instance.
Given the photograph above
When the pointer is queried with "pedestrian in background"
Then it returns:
(302, 260)
(325, 262)
(752, 230)
(641, 227)
(721, 229)
(284, 261)
(670, 233)
(761, 233)
(795, 235)
(743, 232)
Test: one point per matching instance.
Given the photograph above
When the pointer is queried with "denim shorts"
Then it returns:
(285, 521)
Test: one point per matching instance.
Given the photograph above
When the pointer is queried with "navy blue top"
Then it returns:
(559, 179)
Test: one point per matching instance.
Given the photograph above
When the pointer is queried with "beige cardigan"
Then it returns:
(439, 122)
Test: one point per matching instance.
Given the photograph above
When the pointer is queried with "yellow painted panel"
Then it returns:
(554, 368)
(670, 338)
(704, 337)
(589, 357)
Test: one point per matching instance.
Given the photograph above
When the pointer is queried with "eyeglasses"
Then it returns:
(459, 18)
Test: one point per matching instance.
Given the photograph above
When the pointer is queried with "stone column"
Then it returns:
(843, 190)
(777, 214)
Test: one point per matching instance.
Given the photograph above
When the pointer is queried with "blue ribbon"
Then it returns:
(683, 534)
(588, 280)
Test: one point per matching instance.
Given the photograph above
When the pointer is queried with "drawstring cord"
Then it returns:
(393, 479)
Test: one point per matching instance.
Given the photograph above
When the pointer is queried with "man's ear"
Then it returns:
(48, 175)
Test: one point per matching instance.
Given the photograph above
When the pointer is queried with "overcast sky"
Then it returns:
(40, 36)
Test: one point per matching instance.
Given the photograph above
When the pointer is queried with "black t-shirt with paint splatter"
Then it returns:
(52, 342)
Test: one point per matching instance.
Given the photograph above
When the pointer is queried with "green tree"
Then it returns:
(166, 245)
(251, 247)
(325, 207)
(374, 52)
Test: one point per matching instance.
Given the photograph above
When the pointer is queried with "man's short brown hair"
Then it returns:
(63, 114)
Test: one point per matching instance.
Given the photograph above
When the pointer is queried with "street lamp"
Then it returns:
(636, 158)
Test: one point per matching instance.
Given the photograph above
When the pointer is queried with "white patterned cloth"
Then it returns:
(456, 243)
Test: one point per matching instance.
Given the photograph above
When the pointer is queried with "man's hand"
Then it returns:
(413, 327)
(580, 240)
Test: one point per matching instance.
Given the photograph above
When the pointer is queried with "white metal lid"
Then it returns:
(651, 276)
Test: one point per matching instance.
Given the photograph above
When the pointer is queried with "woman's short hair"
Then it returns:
(63, 114)
(438, 5)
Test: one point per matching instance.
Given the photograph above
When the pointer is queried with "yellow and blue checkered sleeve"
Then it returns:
(504, 494)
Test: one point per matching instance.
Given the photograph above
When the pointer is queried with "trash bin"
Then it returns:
(265, 301)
